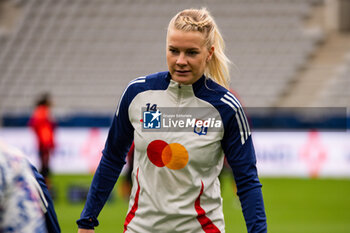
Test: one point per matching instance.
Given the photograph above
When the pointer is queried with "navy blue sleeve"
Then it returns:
(239, 151)
(50, 215)
(118, 142)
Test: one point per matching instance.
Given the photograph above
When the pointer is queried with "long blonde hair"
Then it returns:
(201, 20)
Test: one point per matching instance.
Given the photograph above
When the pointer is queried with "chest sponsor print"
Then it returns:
(173, 156)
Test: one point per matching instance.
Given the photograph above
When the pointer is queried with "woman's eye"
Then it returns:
(174, 51)
(192, 53)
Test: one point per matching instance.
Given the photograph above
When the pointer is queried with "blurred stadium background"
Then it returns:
(287, 54)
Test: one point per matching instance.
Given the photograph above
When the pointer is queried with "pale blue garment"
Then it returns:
(21, 209)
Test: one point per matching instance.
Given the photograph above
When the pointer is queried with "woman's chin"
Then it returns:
(183, 79)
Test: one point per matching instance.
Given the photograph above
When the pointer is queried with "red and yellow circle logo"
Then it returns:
(173, 155)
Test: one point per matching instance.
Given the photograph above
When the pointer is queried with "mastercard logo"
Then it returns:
(173, 156)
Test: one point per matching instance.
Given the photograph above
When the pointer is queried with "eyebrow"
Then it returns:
(188, 49)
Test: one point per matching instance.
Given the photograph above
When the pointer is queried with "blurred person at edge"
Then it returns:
(175, 174)
(43, 126)
(21, 209)
(22, 190)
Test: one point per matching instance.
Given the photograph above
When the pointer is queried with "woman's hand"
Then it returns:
(86, 231)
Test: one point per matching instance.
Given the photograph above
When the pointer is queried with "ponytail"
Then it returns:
(200, 20)
(217, 67)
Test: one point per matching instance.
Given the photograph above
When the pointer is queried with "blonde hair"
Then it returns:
(201, 20)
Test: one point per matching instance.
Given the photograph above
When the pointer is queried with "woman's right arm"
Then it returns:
(119, 140)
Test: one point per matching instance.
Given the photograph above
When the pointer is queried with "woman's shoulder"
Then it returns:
(152, 81)
(218, 92)
(158, 75)
(225, 100)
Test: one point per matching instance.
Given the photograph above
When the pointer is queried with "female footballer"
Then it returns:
(175, 174)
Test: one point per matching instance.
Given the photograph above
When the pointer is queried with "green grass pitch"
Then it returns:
(292, 205)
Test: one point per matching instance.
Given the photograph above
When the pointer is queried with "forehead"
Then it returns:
(182, 39)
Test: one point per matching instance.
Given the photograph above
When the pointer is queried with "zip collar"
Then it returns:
(183, 89)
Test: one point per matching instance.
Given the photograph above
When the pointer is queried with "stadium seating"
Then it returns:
(85, 52)
(337, 93)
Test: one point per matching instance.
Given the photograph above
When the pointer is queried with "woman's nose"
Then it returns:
(181, 59)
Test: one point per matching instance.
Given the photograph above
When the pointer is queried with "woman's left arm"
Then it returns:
(239, 151)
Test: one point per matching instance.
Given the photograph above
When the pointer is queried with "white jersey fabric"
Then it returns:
(170, 198)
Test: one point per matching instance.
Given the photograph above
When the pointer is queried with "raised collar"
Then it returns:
(173, 85)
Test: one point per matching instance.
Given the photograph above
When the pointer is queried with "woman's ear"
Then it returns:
(211, 52)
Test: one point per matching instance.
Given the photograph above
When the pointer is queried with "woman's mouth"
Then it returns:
(182, 72)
